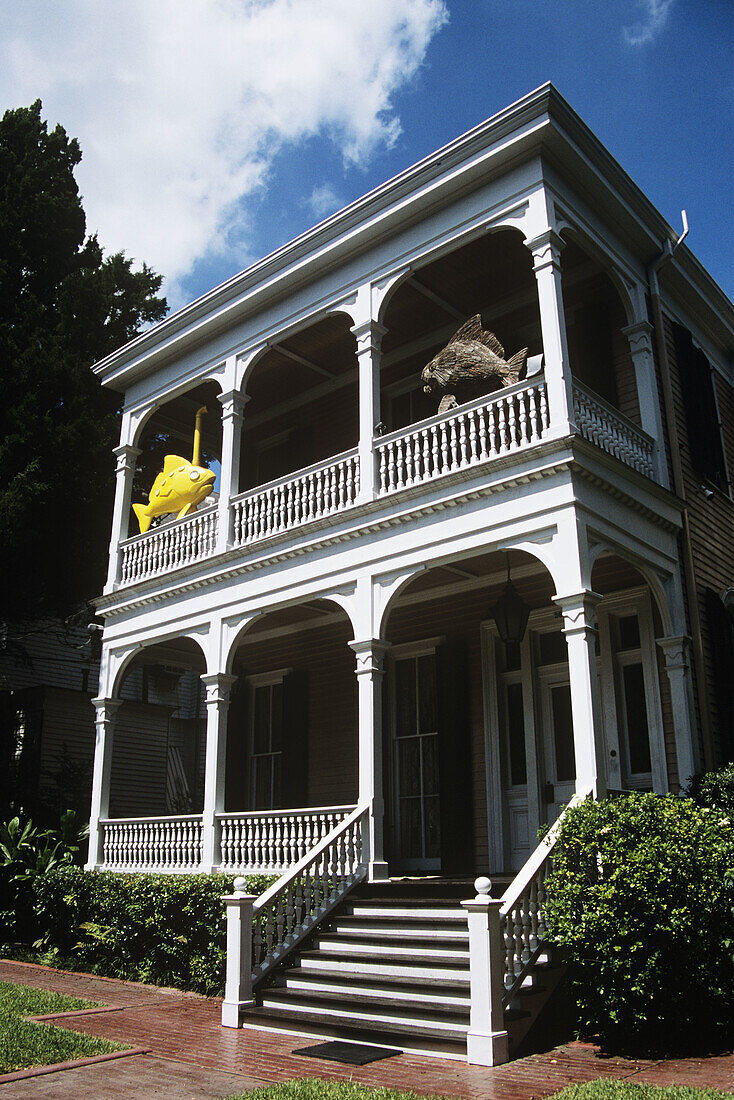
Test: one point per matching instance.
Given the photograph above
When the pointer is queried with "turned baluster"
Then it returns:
(517, 931)
(544, 419)
(523, 426)
(444, 463)
(501, 428)
(512, 437)
(400, 463)
(473, 450)
(453, 443)
(383, 470)
(391, 466)
(509, 950)
(408, 461)
(533, 414)
(463, 452)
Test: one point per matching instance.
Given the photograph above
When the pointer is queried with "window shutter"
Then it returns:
(457, 824)
(236, 780)
(699, 402)
(721, 632)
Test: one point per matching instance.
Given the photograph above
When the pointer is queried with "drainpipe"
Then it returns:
(679, 488)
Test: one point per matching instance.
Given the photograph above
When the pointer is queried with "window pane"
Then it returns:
(427, 693)
(516, 735)
(261, 726)
(276, 801)
(405, 717)
(261, 776)
(429, 745)
(432, 814)
(636, 712)
(629, 632)
(563, 733)
(553, 648)
(409, 765)
(410, 828)
(276, 717)
(513, 657)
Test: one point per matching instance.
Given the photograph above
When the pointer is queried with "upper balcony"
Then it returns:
(333, 417)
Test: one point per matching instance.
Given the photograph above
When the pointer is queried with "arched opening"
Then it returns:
(170, 431)
(304, 404)
(638, 716)
(478, 748)
(491, 275)
(598, 350)
(159, 745)
(291, 730)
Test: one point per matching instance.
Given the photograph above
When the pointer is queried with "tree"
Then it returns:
(63, 306)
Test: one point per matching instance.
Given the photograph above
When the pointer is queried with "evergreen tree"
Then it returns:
(63, 306)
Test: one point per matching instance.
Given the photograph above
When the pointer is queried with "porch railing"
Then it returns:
(169, 547)
(483, 429)
(320, 490)
(270, 841)
(612, 431)
(169, 844)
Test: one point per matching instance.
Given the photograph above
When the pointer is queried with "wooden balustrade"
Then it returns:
(291, 908)
(320, 490)
(607, 428)
(169, 546)
(481, 430)
(270, 841)
(167, 844)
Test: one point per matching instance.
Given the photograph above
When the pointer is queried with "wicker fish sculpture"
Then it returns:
(473, 358)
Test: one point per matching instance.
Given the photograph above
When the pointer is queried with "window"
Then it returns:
(699, 401)
(266, 741)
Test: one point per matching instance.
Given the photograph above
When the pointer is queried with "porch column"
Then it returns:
(677, 666)
(105, 726)
(639, 336)
(546, 250)
(370, 671)
(233, 403)
(126, 457)
(369, 341)
(588, 735)
(218, 686)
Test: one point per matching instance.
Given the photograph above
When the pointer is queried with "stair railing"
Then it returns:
(286, 913)
(522, 923)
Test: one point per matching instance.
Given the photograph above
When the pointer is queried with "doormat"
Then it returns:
(351, 1054)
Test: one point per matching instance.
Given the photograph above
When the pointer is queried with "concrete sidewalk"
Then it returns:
(185, 1053)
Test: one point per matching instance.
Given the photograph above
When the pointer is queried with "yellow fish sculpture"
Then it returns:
(178, 488)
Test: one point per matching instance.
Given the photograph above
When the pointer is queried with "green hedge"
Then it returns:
(641, 897)
(162, 929)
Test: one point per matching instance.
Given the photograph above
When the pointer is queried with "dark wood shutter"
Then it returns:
(236, 779)
(721, 632)
(457, 825)
(702, 422)
(294, 776)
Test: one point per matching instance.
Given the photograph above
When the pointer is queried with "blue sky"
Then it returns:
(216, 130)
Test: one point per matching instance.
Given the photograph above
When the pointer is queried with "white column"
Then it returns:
(486, 1040)
(238, 981)
(677, 665)
(370, 671)
(588, 731)
(546, 250)
(639, 336)
(100, 809)
(233, 402)
(126, 457)
(369, 340)
(218, 686)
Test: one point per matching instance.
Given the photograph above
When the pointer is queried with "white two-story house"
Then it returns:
(334, 637)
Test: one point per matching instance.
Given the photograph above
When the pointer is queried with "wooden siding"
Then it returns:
(711, 523)
(139, 760)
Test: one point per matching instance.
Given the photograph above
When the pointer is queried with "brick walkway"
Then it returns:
(188, 1054)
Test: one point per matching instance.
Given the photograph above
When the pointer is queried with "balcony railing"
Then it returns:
(165, 844)
(320, 490)
(445, 445)
(169, 547)
(609, 429)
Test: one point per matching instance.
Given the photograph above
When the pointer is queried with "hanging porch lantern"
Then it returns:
(510, 613)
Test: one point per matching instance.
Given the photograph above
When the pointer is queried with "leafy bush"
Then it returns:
(641, 897)
(162, 929)
(25, 852)
(715, 789)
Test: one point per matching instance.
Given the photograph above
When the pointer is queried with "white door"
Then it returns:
(558, 781)
(415, 748)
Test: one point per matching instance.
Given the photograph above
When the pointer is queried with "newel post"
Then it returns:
(486, 1041)
(238, 981)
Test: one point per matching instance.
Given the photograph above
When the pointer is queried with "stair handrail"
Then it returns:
(302, 897)
(522, 923)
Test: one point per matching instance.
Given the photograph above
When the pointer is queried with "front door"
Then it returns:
(559, 756)
(415, 763)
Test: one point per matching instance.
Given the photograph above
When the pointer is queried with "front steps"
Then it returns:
(391, 966)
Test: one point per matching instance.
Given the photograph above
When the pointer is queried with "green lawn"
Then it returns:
(315, 1089)
(24, 1044)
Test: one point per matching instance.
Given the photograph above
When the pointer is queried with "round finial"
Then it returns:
(482, 885)
(240, 885)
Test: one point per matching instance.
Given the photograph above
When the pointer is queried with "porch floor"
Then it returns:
(186, 1053)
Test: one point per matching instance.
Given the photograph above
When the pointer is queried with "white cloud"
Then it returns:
(654, 18)
(323, 201)
(180, 106)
